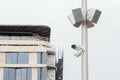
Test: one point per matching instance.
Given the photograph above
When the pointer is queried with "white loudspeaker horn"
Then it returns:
(93, 15)
(76, 18)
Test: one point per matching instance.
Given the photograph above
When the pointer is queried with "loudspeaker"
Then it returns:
(76, 18)
(93, 15)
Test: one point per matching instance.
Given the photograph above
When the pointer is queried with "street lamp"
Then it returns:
(85, 19)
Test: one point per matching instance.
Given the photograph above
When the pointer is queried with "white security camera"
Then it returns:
(78, 53)
(76, 47)
(79, 50)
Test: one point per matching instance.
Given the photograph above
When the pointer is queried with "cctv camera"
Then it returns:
(78, 53)
(79, 50)
(76, 47)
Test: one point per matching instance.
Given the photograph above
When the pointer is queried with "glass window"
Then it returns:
(21, 74)
(6, 38)
(8, 58)
(17, 58)
(11, 58)
(1, 37)
(24, 74)
(17, 74)
(44, 55)
(15, 37)
(41, 73)
(6, 74)
(41, 58)
(23, 58)
(29, 73)
(11, 74)
(14, 58)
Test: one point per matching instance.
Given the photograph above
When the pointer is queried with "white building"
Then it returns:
(26, 53)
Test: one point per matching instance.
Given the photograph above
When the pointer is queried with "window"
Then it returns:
(17, 73)
(41, 58)
(17, 58)
(23, 58)
(41, 73)
(9, 74)
(11, 58)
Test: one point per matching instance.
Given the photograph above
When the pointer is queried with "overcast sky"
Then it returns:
(104, 50)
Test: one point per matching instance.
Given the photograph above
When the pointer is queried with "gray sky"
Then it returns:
(104, 50)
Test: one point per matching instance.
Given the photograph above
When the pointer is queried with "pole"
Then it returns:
(84, 59)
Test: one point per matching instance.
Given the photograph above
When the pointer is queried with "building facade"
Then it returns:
(59, 66)
(26, 53)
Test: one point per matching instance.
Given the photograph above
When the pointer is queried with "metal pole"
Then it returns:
(84, 59)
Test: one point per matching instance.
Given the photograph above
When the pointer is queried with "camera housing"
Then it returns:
(78, 53)
(76, 47)
(79, 50)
